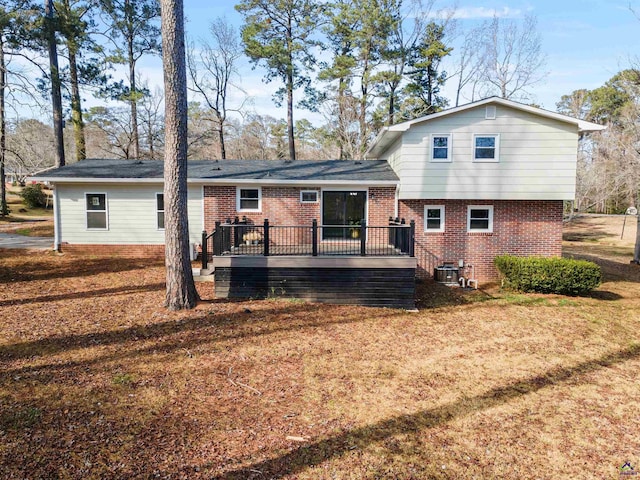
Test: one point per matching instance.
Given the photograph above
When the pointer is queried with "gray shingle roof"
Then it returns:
(224, 170)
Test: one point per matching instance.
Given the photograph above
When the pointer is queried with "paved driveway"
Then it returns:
(11, 240)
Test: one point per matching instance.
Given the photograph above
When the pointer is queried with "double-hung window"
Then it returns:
(434, 218)
(480, 218)
(160, 211)
(96, 210)
(440, 148)
(249, 199)
(486, 148)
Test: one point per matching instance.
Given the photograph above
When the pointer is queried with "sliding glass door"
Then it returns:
(342, 208)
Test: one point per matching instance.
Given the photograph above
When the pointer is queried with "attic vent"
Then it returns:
(490, 112)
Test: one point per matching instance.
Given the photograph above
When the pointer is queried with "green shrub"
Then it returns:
(548, 275)
(33, 196)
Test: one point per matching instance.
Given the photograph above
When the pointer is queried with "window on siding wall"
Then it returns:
(480, 218)
(486, 148)
(440, 148)
(249, 199)
(160, 210)
(309, 196)
(96, 204)
(434, 218)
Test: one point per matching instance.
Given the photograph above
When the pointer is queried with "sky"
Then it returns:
(585, 41)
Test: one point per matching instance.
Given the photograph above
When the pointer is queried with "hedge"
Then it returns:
(548, 275)
(33, 196)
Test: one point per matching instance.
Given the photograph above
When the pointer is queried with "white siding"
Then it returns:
(537, 158)
(131, 210)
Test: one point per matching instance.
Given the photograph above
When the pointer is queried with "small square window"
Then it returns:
(440, 148)
(309, 196)
(96, 211)
(249, 199)
(160, 211)
(434, 218)
(480, 218)
(486, 148)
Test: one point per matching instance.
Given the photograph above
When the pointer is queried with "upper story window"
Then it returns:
(96, 210)
(434, 218)
(309, 196)
(160, 211)
(249, 199)
(440, 148)
(480, 218)
(486, 148)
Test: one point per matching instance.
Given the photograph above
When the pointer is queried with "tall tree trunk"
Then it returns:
(134, 104)
(56, 97)
(223, 150)
(181, 291)
(76, 106)
(636, 252)
(292, 145)
(392, 106)
(341, 121)
(133, 93)
(4, 209)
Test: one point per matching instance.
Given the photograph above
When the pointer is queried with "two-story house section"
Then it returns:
(484, 179)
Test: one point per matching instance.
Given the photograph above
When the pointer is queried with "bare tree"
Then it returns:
(512, 57)
(181, 291)
(152, 124)
(469, 62)
(211, 72)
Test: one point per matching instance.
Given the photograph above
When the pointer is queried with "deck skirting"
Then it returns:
(379, 282)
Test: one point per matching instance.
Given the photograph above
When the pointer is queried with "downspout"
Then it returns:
(396, 213)
(56, 220)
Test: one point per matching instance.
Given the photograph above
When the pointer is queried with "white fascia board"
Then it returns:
(222, 181)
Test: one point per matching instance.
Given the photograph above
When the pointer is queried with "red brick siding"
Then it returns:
(520, 227)
(128, 251)
(282, 206)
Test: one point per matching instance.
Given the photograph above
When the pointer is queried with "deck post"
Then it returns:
(265, 238)
(412, 238)
(204, 250)
(363, 238)
(217, 239)
(314, 237)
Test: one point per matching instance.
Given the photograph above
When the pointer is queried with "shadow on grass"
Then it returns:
(588, 232)
(169, 336)
(612, 271)
(85, 294)
(306, 456)
(41, 267)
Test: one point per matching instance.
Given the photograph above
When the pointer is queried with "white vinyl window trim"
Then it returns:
(440, 144)
(482, 149)
(435, 222)
(159, 211)
(93, 210)
(480, 218)
(306, 194)
(246, 196)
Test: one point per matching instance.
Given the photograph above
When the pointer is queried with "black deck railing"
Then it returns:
(242, 238)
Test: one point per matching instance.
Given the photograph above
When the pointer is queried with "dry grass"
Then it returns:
(99, 381)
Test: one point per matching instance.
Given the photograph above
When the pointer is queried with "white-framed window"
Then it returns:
(434, 218)
(309, 196)
(440, 147)
(160, 211)
(96, 211)
(480, 218)
(486, 148)
(249, 199)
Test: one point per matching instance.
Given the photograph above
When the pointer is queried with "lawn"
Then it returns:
(23, 220)
(99, 381)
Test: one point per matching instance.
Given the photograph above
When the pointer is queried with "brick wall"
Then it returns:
(520, 227)
(128, 251)
(282, 206)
